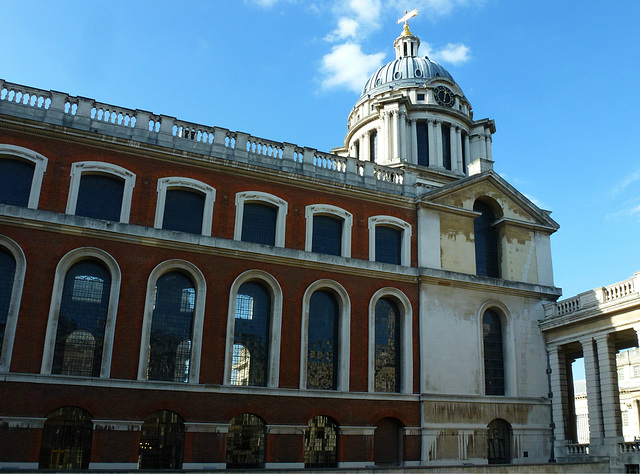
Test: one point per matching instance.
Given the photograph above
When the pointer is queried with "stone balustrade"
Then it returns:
(85, 114)
(577, 449)
(629, 447)
(593, 298)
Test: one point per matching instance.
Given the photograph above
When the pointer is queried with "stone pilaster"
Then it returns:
(611, 418)
(557, 363)
(592, 374)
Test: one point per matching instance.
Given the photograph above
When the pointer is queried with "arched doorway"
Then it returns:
(387, 442)
(499, 442)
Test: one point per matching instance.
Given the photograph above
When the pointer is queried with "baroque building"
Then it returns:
(175, 295)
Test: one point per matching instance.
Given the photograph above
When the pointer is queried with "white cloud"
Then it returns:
(432, 8)
(629, 179)
(355, 17)
(451, 54)
(348, 66)
(265, 3)
(347, 28)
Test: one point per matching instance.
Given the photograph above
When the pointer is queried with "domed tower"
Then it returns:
(412, 114)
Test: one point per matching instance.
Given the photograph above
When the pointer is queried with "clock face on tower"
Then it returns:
(444, 96)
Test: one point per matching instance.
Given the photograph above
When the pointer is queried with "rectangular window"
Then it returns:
(625, 418)
(446, 146)
(100, 197)
(327, 235)
(259, 223)
(388, 245)
(183, 211)
(636, 370)
(373, 146)
(620, 374)
(420, 96)
(423, 143)
(15, 182)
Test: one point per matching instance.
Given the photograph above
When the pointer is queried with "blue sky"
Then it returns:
(558, 77)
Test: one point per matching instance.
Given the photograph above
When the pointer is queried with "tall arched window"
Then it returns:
(7, 277)
(387, 346)
(161, 441)
(323, 342)
(82, 320)
(494, 379)
(66, 439)
(171, 328)
(486, 241)
(321, 443)
(499, 442)
(251, 335)
(246, 442)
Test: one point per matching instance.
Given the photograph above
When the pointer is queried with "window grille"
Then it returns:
(246, 442)
(388, 245)
(171, 328)
(183, 211)
(161, 441)
(321, 443)
(327, 235)
(259, 223)
(251, 335)
(387, 346)
(100, 197)
(322, 352)
(66, 439)
(16, 177)
(493, 354)
(7, 276)
(81, 324)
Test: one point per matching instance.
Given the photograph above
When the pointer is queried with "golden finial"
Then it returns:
(406, 18)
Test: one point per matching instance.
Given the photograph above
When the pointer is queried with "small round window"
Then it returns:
(378, 81)
(397, 75)
(418, 73)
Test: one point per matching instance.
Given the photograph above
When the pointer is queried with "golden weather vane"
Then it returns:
(406, 18)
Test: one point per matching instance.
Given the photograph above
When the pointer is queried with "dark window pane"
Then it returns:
(251, 336)
(464, 153)
(327, 235)
(373, 146)
(321, 443)
(486, 237)
(66, 439)
(15, 182)
(246, 442)
(7, 275)
(161, 441)
(387, 346)
(388, 245)
(446, 146)
(259, 223)
(387, 442)
(493, 354)
(423, 143)
(83, 316)
(183, 211)
(322, 353)
(171, 328)
(100, 197)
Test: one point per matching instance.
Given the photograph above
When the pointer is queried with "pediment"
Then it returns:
(511, 205)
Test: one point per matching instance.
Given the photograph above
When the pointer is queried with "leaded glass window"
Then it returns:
(327, 235)
(322, 352)
(259, 223)
(387, 346)
(66, 439)
(246, 442)
(251, 335)
(486, 241)
(82, 319)
(321, 443)
(7, 276)
(171, 328)
(16, 177)
(493, 354)
(161, 441)
(100, 197)
(183, 211)
(388, 244)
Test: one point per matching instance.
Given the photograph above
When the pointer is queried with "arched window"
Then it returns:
(66, 439)
(328, 230)
(100, 190)
(7, 277)
(499, 442)
(21, 173)
(388, 245)
(486, 241)
(246, 442)
(494, 379)
(171, 328)
(16, 177)
(389, 240)
(422, 137)
(184, 205)
(82, 320)
(251, 335)
(321, 443)
(323, 342)
(387, 442)
(387, 346)
(260, 218)
(161, 441)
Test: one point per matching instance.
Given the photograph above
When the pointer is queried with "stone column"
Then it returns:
(611, 418)
(438, 132)
(385, 136)
(466, 158)
(431, 136)
(557, 363)
(592, 374)
(396, 142)
(453, 141)
(414, 142)
(489, 153)
(459, 150)
(364, 146)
